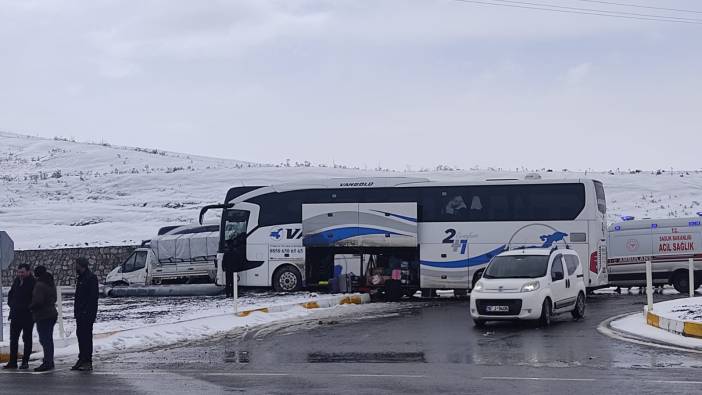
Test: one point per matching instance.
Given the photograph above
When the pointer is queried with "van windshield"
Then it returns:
(517, 266)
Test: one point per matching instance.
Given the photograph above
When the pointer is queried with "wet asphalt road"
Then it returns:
(411, 347)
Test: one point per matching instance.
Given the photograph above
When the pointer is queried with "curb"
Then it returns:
(679, 327)
(605, 328)
(318, 303)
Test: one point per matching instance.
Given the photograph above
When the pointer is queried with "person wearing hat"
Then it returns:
(85, 311)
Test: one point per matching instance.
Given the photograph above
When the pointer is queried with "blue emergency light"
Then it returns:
(694, 223)
(699, 213)
(628, 218)
(654, 226)
(617, 227)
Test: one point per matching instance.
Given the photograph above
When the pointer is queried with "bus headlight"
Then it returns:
(530, 286)
(478, 286)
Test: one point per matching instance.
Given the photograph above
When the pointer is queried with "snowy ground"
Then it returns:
(687, 309)
(127, 313)
(635, 324)
(56, 193)
(664, 290)
(148, 322)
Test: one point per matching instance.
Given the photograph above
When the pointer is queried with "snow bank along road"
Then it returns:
(128, 323)
(412, 347)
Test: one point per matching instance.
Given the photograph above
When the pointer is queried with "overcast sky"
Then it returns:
(392, 82)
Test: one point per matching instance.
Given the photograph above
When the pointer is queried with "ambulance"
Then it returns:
(668, 243)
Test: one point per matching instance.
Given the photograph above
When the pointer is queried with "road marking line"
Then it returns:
(196, 373)
(245, 374)
(673, 381)
(404, 376)
(567, 379)
(536, 378)
(254, 374)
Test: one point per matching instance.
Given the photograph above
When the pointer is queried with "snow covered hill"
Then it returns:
(58, 193)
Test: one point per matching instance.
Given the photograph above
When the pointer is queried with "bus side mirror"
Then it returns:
(211, 207)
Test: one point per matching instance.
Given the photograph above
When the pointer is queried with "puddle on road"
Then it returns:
(373, 357)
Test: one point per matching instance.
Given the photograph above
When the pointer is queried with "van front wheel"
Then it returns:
(546, 312)
(579, 310)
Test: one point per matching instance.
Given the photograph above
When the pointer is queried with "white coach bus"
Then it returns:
(404, 234)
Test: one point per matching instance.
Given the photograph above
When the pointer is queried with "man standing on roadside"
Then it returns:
(21, 321)
(85, 311)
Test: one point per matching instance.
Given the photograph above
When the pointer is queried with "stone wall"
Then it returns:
(60, 262)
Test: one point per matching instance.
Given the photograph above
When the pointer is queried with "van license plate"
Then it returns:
(497, 309)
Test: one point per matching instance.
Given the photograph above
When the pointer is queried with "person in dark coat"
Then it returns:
(85, 310)
(21, 321)
(45, 314)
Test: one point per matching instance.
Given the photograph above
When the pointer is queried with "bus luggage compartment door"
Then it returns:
(387, 224)
(364, 225)
(442, 267)
(330, 225)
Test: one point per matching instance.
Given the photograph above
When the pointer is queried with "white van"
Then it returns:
(529, 284)
(177, 254)
(668, 243)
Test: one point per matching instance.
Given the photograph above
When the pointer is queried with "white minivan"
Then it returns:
(529, 284)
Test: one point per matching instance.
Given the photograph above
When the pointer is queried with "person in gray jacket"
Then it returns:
(44, 311)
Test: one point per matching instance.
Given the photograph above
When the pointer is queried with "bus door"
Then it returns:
(234, 240)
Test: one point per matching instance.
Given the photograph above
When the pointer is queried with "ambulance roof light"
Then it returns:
(627, 218)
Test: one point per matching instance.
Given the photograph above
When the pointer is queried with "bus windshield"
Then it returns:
(235, 225)
(517, 266)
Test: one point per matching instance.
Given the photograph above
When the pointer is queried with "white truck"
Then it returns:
(177, 254)
(667, 243)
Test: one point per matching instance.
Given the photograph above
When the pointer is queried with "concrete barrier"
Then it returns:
(680, 327)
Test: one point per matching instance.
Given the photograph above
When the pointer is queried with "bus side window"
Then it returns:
(455, 206)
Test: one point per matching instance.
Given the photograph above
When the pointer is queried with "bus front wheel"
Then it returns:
(287, 279)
